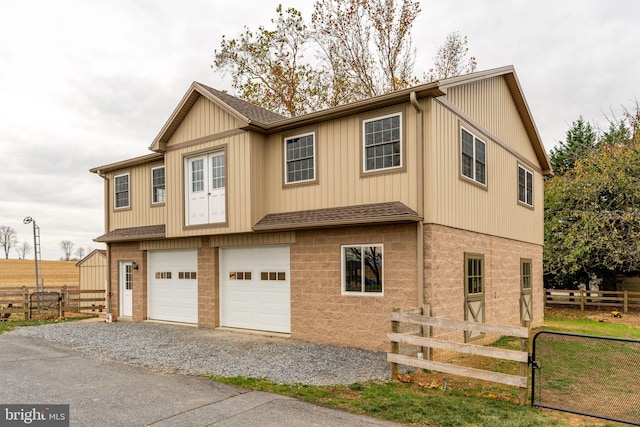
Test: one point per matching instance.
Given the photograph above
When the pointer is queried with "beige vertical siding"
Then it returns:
(455, 202)
(238, 186)
(141, 211)
(338, 170)
(93, 270)
(204, 119)
(255, 168)
(491, 105)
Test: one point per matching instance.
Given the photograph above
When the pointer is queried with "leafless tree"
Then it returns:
(366, 45)
(364, 48)
(80, 253)
(67, 248)
(8, 239)
(452, 58)
(23, 249)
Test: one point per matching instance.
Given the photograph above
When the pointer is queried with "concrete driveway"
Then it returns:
(100, 393)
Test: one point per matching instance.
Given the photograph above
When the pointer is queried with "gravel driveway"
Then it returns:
(194, 351)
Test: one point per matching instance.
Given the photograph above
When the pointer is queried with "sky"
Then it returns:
(90, 82)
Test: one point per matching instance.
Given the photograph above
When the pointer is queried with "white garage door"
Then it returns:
(254, 288)
(173, 285)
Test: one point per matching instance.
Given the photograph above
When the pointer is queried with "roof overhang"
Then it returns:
(377, 213)
(136, 161)
(151, 232)
(182, 110)
(381, 101)
(515, 89)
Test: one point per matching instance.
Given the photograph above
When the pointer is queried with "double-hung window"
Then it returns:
(525, 186)
(121, 191)
(300, 153)
(382, 143)
(157, 185)
(362, 269)
(474, 157)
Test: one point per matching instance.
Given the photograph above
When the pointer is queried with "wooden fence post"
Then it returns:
(395, 346)
(525, 345)
(626, 301)
(63, 298)
(25, 302)
(582, 298)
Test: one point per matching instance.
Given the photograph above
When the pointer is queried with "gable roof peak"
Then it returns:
(250, 111)
(242, 110)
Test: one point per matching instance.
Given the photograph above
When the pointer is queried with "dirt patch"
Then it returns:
(605, 315)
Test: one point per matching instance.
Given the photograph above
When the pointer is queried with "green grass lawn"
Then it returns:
(464, 403)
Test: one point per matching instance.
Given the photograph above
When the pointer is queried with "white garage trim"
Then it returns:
(173, 285)
(255, 291)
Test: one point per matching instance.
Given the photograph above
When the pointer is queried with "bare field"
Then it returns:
(21, 272)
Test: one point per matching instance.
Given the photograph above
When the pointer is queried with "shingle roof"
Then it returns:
(133, 233)
(347, 215)
(250, 111)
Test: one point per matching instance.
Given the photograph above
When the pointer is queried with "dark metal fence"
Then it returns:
(44, 305)
(587, 375)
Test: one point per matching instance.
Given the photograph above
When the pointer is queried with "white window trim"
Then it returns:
(115, 199)
(474, 179)
(527, 171)
(154, 202)
(364, 147)
(343, 267)
(286, 161)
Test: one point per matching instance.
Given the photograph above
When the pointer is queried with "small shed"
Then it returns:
(93, 273)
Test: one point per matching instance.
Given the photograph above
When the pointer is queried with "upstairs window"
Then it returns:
(525, 186)
(474, 157)
(382, 143)
(300, 160)
(157, 185)
(121, 191)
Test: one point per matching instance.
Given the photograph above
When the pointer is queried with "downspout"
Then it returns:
(420, 176)
(106, 228)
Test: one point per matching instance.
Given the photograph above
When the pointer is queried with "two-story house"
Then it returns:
(318, 226)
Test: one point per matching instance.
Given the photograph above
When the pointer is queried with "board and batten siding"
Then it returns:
(491, 105)
(204, 119)
(92, 271)
(455, 202)
(140, 211)
(339, 181)
(237, 186)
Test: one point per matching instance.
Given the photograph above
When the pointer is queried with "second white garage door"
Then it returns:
(255, 288)
(173, 285)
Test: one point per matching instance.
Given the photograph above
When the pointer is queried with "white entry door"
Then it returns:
(206, 184)
(126, 289)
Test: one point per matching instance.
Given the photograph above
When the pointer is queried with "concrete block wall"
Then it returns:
(208, 286)
(321, 313)
(444, 253)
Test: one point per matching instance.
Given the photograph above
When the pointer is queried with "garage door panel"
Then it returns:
(171, 296)
(255, 303)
